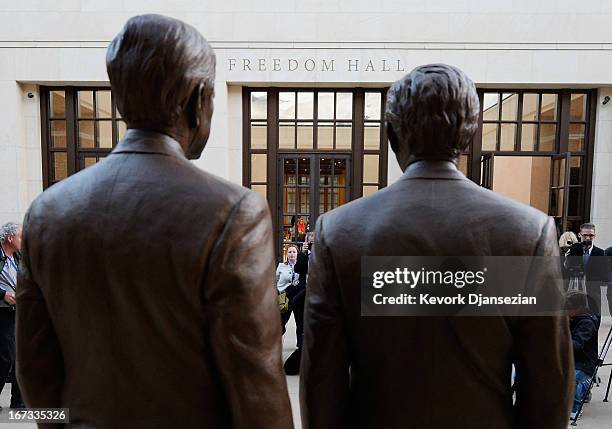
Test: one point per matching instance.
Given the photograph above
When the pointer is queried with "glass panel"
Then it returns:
(286, 136)
(89, 161)
(344, 105)
(561, 181)
(326, 105)
(548, 110)
(339, 178)
(58, 134)
(463, 164)
(286, 105)
(325, 171)
(57, 101)
(302, 226)
(529, 137)
(85, 108)
(259, 105)
(86, 133)
(370, 168)
(372, 105)
(560, 202)
(547, 137)
(509, 107)
(261, 190)
(304, 137)
(289, 199)
(576, 137)
(369, 190)
(489, 136)
(305, 105)
(573, 205)
(304, 171)
(575, 170)
(530, 107)
(105, 134)
(304, 200)
(60, 165)
(289, 172)
(103, 104)
(490, 108)
(259, 135)
(371, 136)
(578, 107)
(344, 134)
(121, 129)
(508, 136)
(325, 136)
(258, 167)
(289, 228)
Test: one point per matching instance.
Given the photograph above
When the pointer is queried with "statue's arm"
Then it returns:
(324, 381)
(241, 307)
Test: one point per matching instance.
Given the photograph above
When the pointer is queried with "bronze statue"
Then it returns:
(429, 372)
(146, 296)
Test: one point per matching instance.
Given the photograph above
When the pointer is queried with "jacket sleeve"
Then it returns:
(582, 333)
(301, 264)
(324, 381)
(40, 364)
(542, 345)
(243, 318)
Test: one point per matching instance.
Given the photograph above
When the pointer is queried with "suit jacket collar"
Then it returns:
(433, 170)
(149, 142)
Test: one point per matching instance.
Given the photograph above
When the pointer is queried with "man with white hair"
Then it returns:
(10, 245)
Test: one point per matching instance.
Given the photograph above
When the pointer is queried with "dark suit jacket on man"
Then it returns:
(146, 297)
(596, 273)
(429, 372)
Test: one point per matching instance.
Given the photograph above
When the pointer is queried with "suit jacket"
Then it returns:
(596, 273)
(429, 372)
(146, 297)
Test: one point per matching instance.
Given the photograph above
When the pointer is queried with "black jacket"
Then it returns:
(301, 268)
(608, 253)
(584, 340)
(596, 271)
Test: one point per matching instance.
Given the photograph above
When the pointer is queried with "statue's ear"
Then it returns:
(393, 140)
(195, 106)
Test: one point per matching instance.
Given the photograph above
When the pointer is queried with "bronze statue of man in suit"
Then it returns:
(430, 372)
(146, 296)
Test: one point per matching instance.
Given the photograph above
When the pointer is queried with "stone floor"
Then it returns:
(597, 414)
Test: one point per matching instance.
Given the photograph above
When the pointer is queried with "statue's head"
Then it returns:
(431, 114)
(162, 74)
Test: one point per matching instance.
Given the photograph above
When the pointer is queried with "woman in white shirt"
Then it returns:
(287, 280)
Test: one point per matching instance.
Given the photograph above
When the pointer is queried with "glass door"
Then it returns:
(559, 190)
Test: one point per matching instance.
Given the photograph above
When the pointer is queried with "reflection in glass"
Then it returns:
(529, 137)
(574, 199)
(575, 170)
(305, 105)
(547, 137)
(304, 200)
(339, 178)
(286, 136)
(372, 105)
(261, 190)
(89, 161)
(289, 198)
(489, 136)
(548, 111)
(344, 133)
(105, 134)
(344, 105)
(576, 137)
(85, 104)
(325, 135)
(326, 105)
(259, 135)
(58, 134)
(490, 107)
(258, 167)
(286, 105)
(259, 105)
(289, 170)
(103, 104)
(121, 129)
(304, 135)
(509, 107)
(508, 136)
(304, 171)
(60, 165)
(57, 100)
(530, 107)
(370, 168)
(325, 171)
(86, 134)
(371, 136)
(578, 107)
(369, 190)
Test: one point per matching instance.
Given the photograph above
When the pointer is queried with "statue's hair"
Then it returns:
(434, 111)
(154, 65)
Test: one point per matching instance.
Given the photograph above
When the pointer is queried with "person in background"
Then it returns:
(595, 268)
(10, 247)
(286, 281)
(583, 328)
(566, 241)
